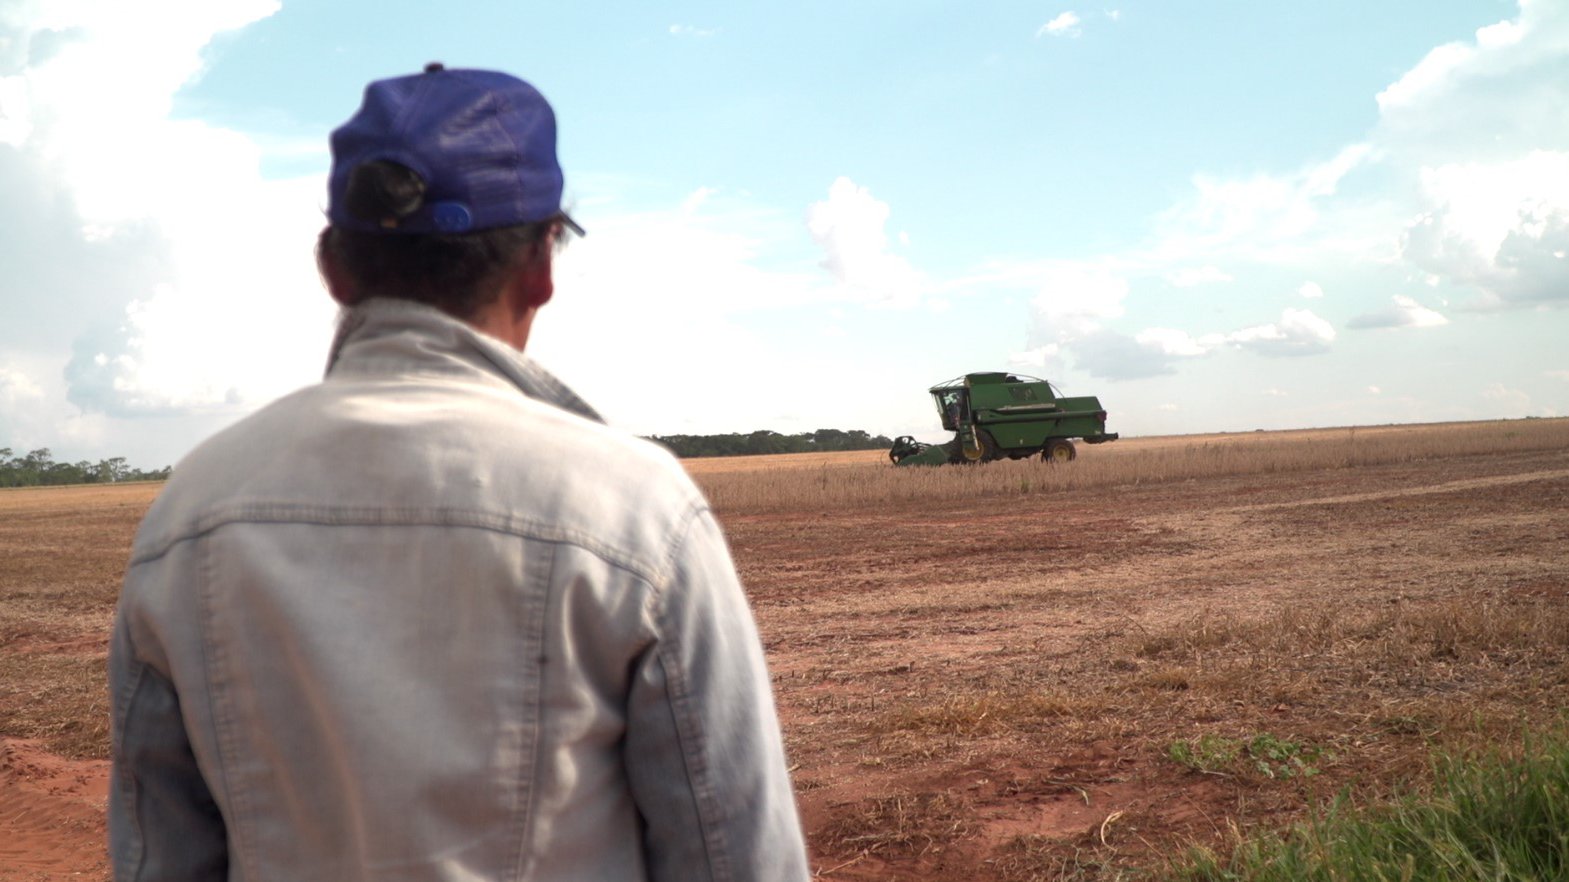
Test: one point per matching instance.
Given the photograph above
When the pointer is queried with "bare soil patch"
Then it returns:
(989, 685)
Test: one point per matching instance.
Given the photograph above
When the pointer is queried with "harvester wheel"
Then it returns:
(1060, 450)
(988, 452)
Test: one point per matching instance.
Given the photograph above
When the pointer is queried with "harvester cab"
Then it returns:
(1002, 415)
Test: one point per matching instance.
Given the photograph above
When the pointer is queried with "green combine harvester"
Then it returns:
(997, 416)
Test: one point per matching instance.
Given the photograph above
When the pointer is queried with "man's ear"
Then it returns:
(535, 274)
(338, 283)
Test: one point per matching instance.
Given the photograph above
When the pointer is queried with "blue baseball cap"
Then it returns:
(483, 142)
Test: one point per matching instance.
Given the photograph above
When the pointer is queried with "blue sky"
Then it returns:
(1215, 216)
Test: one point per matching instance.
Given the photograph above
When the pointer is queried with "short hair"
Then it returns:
(458, 273)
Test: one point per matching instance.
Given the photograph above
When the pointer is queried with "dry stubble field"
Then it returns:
(982, 671)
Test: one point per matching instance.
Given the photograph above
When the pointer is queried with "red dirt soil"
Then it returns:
(907, 644)
(51, 814)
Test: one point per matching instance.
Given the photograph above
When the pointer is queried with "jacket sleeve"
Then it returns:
(163, 822)
(703, 749)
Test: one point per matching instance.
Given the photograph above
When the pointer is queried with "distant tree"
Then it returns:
(764, 441)
(38, 468)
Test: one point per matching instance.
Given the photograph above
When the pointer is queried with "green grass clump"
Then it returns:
(1263, 754)
(1489, 817)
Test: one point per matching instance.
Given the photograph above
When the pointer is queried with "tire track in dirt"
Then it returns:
(1239, 562)
(1374, 496)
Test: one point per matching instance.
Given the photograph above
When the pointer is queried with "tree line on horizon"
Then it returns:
(38, 469)
(764, 441)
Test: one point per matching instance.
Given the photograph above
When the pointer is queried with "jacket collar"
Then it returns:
(381, 317)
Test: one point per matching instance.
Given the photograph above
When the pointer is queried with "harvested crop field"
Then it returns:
(1018, 670)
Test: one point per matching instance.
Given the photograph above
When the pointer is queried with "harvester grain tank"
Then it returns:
(1000, 415)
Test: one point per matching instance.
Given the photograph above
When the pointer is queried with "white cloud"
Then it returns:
(1441, 67)
(1070, 298)
(1167, 341)
(1405, 313)
(1275, 392)
(1156, 351)
(1502, 227)
(1561, 375)
(850, 228)
(1310, 291)
(1299, 332)
(1188, 277)
(1374, 390)
(16, 388)
(675, 263)
(652, 297)
(1064, 25)
(1261, 217)
(1114, 14)
(164, 336)
(1039, 358)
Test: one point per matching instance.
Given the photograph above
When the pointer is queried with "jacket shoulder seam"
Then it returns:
(652, 569)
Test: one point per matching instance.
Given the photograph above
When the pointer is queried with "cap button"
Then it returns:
(435, 67)
(451, 217)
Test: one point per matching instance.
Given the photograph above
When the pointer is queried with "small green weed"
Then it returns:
(1265, 754)
(1275, 758)
(1211, 754)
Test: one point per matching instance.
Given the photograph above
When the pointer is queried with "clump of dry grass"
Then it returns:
(1031, 858)
(61, 700)
(1448, 669)
(1128, 462)
(902, 824)
(983, 714)
(1446, 629)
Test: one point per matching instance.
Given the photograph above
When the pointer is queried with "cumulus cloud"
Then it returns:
(1259, 217)
(1310, 291)
(712, 250)
(1070, 298)
(1171, 342)
(117, 205)
(1115, 356)
(1500, 227)
(1404, 313)
(673, 288)
(1064, 25)
(1157, 351)
(850, 227)
(1477, 121)
(1299, 332)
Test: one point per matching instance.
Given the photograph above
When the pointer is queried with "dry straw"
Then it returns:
(827, 481)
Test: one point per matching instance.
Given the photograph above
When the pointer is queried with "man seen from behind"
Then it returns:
(430, 619)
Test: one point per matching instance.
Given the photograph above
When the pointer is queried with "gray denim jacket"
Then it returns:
(430, 620)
